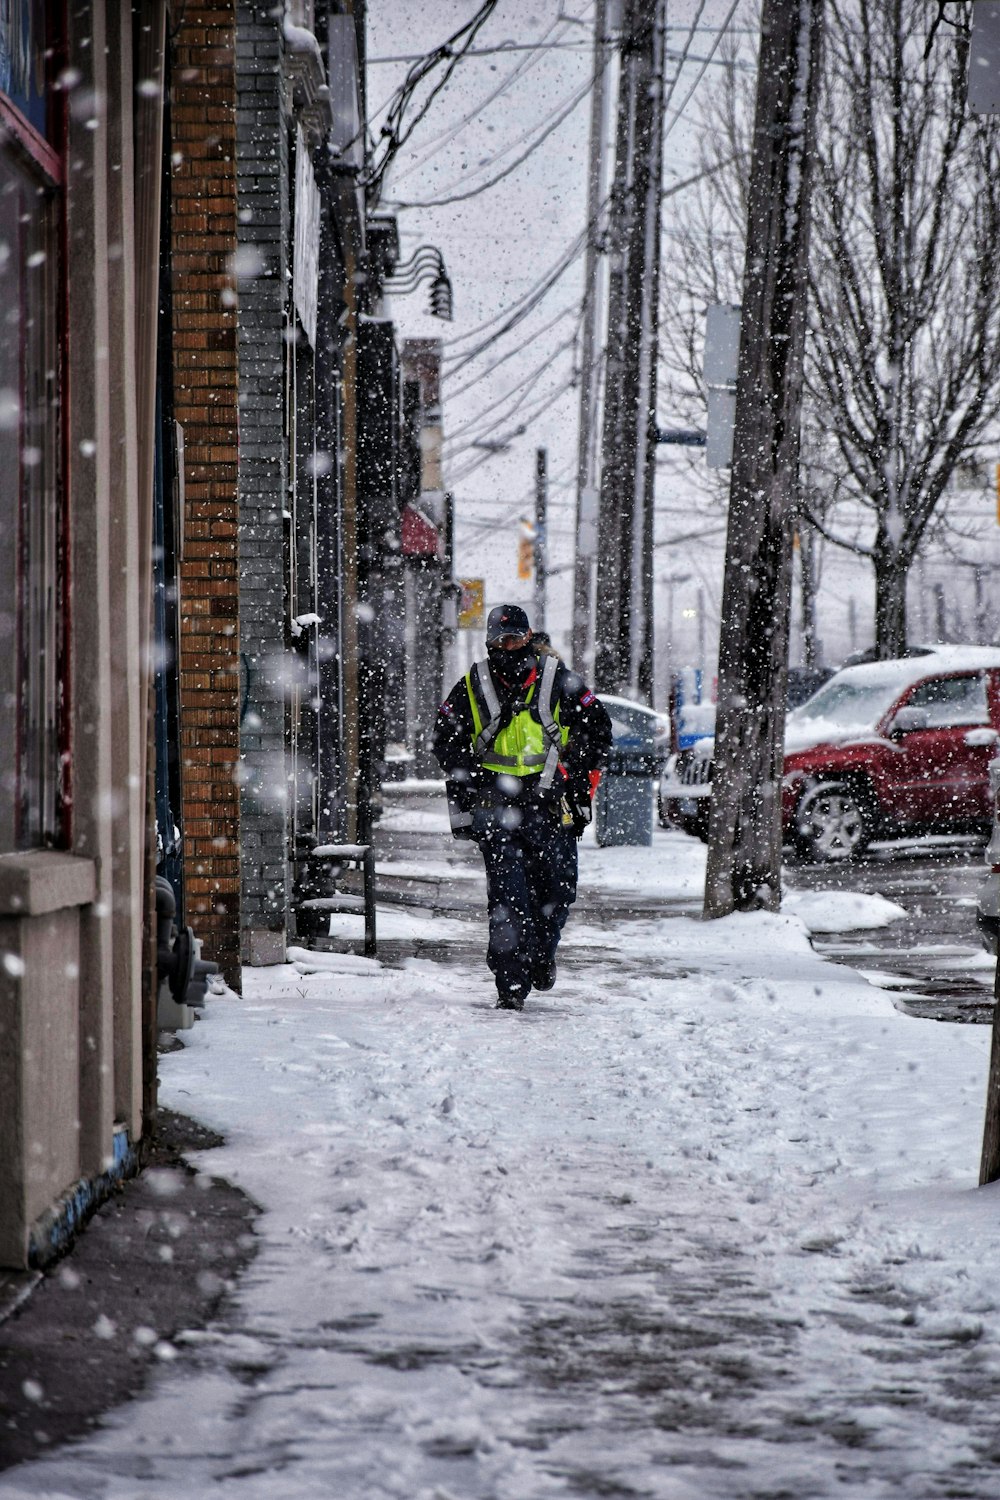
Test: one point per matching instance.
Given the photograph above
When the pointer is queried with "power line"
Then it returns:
(683, 57)
(701, 73)
(487, 51)
(525, 386)
(550, 129)
(525, 47)
(559, 115)
(520, 309)
(431, 147)
(541, 288)
(531, 299)
(500, 523)
(394, 132)
(542, 407)
(571, 307)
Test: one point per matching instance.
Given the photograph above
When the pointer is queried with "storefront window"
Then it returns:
(30, 512)
(23, 59)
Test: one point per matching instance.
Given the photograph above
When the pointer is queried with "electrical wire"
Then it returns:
(543, 406)
(684, 56)
(679, 111)
(563, 478)
(563, 114)
(516, 512)
(544, 282)
(571, 307)
(394, 132)
(431, 147)
(519, 310)
(537, 293)
(522, 390)
(523, 386)
(530, 300)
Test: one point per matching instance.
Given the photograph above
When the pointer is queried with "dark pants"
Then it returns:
(530, 863)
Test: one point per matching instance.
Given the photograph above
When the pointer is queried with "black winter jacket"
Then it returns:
(586, 749)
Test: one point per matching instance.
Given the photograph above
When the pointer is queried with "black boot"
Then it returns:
(543, 975)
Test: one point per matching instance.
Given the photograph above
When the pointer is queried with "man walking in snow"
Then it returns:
(521, 740)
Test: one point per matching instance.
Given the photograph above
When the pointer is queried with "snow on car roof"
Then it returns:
(909, 669)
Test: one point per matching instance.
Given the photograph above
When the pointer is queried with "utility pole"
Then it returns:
(590, 364)
(744, 852)
(541, 544)
(623, 651)
(643, 602)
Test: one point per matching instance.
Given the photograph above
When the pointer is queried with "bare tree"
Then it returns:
(903, 355)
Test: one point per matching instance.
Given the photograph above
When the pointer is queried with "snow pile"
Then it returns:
(840, 911)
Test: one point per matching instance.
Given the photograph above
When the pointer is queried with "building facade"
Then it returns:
(208, 540)
(80, 148)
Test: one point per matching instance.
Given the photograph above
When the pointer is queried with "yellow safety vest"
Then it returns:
(530, 744)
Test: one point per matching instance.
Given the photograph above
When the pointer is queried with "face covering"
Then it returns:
(513, 666)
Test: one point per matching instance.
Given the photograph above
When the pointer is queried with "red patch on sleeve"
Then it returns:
(588, 698)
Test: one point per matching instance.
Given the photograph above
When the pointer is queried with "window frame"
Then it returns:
(947, 704)
(42, 786)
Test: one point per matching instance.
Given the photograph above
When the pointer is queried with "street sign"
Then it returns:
(984, 59)
(471, 614)
(586, 544)
(722, 355)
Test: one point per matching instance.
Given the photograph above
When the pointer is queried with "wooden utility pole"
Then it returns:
(644, 481)
(541, 540)
(622, 652)
(590, 365)
(744, 853)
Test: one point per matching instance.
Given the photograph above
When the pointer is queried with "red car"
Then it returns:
(886, 749)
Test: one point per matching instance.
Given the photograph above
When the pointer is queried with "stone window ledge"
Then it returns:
(45, 880)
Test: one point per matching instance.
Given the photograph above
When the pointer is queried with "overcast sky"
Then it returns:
(500, 242)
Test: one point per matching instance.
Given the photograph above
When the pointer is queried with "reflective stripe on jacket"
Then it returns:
(530, 743)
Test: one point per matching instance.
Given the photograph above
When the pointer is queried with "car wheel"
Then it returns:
(832, 822)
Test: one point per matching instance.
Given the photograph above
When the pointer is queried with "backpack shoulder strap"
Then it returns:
(491, 712)
(546, 718)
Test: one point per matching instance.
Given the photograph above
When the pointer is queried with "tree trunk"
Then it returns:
(890, 603)
(744, 853)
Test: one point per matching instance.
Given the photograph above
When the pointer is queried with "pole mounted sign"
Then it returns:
(471, 614)
(722, 358)
(984, 59)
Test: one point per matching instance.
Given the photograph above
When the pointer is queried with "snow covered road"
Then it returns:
(700, 1223)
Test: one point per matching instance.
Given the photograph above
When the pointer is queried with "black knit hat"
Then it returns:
(506, 619)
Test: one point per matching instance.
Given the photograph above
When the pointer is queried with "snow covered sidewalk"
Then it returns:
(700, 1223)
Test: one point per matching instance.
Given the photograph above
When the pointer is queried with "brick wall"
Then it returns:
(264, 226)
(203, 223)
